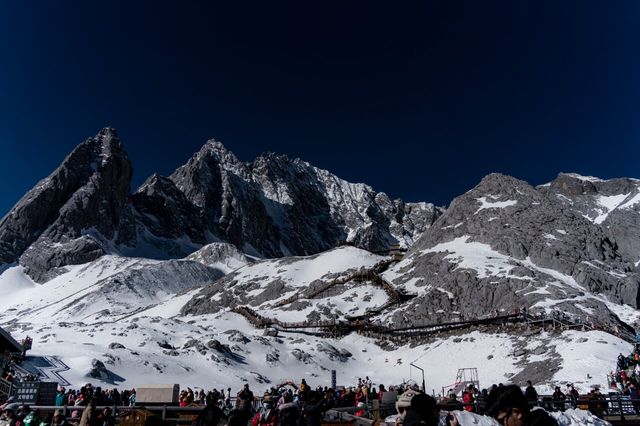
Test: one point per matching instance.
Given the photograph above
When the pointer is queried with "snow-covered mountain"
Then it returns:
(86, 321)
(225, 272)
(271, 207)
(276, 206)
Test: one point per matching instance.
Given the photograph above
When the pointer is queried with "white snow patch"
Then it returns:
(485, 204)
(584, 178)
(630, 203)
(608, 204)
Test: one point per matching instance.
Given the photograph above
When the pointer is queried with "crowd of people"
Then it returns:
(627, 375)
(299, 404)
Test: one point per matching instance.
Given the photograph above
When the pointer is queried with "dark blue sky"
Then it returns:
(418, 99)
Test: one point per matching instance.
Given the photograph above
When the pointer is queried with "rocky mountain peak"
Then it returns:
(216, 151)
(68, 216)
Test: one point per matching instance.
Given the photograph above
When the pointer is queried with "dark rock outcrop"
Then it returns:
(70, 216)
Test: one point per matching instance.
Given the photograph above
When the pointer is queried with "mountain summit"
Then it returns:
(68, 216)
(271, 207)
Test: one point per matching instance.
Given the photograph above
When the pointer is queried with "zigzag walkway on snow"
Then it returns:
(361, 324)
(335, 328)
(372, 274)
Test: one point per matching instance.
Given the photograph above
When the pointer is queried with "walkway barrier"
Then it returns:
(611, 407)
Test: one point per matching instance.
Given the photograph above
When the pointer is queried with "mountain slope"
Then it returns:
(506, 245)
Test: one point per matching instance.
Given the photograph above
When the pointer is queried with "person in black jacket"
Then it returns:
(211, 414)
(313, 409)
(423, 411)
(288, 413)
(509, 406)
(531, 394)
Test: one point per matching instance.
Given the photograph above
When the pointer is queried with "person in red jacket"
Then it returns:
(468, 399)
(267, 415)
(381, 392)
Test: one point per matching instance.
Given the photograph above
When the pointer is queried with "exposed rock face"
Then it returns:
(271, 207)
(506, 245)
(223, 256)
(67, 217)
(613, 204)
(276, 206)
(165, 211)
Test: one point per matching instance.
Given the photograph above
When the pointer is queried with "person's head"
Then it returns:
(508, 405)
(106, 412)
(267, 402)
(529, 383)
(404, 402)
(57, 416)
(426, 408)
(557, 388)
(314, 397)
(246, 386)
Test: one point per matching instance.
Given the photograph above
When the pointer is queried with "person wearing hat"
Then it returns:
(8, 417)
(58, 419)
(267, 414)
(403, 404)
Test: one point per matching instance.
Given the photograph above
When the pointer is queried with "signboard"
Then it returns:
(333, 379)
(36, 393)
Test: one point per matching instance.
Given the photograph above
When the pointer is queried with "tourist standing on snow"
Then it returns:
(531, 394)
(558, 399)
(468, 399)
(245, 400)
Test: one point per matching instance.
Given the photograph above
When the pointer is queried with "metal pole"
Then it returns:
(424, 388)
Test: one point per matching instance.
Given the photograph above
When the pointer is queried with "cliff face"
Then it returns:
(276, 206)
(271, 207)
(66, 216)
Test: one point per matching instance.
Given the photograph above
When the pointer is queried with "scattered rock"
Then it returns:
(301, 356)
(237, 336)
(270, 332)
(165, 345)
(116, 345)
(539, 350)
